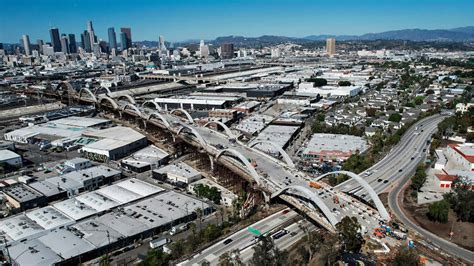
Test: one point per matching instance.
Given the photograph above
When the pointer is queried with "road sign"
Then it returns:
(253, 231)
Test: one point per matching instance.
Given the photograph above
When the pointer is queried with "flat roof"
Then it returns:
(65, 243)
(97, 201)
(48, 217)
(148, 155)
(96, 233)
(80, 121)
(21, 192)
(321, 143)
(46, 188)
(19, 226)
(279, 135)
(180, 169)
(112, 138)
(75, 209)
(8, 155)
(33, 252)
(254, 123)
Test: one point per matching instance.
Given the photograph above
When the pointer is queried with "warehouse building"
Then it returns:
(145, 159)
(21, 197)
(70, 241)
(333, 147)
(10, 158)
(112, 143)
(180, 174)
(57, 131)
(281, 136)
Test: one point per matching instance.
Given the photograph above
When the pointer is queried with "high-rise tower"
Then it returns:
(26, 44)
(55, 39)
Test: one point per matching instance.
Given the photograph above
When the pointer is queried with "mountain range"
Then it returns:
(461, 34)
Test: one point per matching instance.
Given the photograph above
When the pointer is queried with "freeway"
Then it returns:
(400, 161)
(443, 244)
(243, 240)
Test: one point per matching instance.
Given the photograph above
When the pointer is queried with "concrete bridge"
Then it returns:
(276, 178)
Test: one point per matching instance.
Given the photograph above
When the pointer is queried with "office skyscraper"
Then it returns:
(90, 30)
(331, 46)
(227, 51)
(162, 43)
(64, 44)
(40, 45)
(26, 44)
(112, 39)
(55, 39)
(86, 41)
(128, 33)
(123, 41)
(72, 43)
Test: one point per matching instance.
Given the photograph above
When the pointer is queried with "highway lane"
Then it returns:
(386, 170)
(443, 244)
(242, 239)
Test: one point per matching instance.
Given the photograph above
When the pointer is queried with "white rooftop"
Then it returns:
(48, 217)
(8, 155)
(65, 243)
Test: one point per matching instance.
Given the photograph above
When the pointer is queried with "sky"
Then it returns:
(179, 20)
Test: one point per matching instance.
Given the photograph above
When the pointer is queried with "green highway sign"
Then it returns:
(253, 231)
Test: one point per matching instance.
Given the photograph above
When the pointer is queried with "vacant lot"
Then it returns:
(463, 231)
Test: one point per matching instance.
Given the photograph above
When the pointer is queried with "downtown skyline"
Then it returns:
(208, 20)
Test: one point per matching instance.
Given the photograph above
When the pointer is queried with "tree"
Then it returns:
(344, 83)
(266, 253)
(429, 91)
(395, 117)
(406, 257)
(461, 199)
(349, 234)
(419, 179)
(418, 100)
(438, 211)
(371, 112)
(231, 258)
(318, 82)
(155, 257)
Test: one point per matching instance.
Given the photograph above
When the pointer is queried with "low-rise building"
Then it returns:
(21, 197)
(177, 173)
(10, 158)
(113, 143)
(145, 159)
(462, 155)
(328, 147)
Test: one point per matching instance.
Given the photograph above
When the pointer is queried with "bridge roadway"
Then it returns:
(275, 175)
(401, 160)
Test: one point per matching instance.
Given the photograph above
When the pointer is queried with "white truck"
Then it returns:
(179, 228)
(158, 243)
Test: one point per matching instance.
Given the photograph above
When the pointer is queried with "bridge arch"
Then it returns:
(129, 105)
(284, 155)
(314, 198)
(373, 195)
(188, 116)
(127, 97)
(244, 160)
(88, 92)
(97, 90)
(195, 133)
(110, 100)
(224, 126)
(64, 84)
(150, 102)
(160, 117)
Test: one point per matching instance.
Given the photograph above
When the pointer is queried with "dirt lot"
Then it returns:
(463, 231)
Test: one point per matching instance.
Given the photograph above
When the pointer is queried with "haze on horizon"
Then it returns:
(206, 19)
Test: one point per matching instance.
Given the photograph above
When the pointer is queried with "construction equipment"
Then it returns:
(379, 232)
(314, 185)
(335, 199)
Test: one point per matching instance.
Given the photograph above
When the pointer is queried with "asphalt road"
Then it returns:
(445, 245)
(400, 161)
(243, 239)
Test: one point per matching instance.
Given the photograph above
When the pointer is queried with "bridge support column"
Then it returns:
(211, 159)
